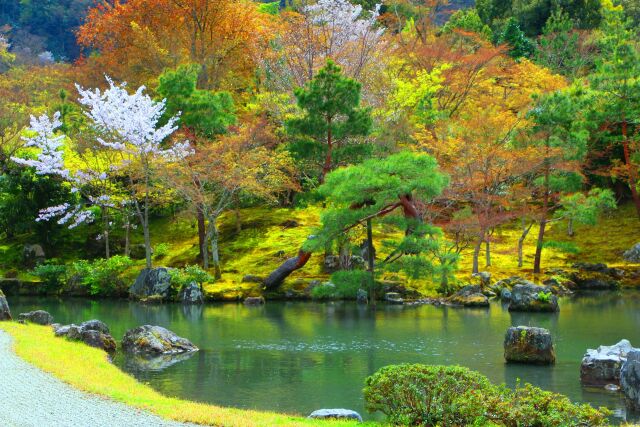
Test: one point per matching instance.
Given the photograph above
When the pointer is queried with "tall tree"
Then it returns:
(331, 117)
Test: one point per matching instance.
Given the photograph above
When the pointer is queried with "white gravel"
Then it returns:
(30, 397)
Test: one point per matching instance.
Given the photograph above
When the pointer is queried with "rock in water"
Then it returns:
(602, 366)
(526, 344)
(633, 254)
(155, 340)
(254, 301)
(470, 296)
(362, 297)
(505, 294)
(339, 414)
(191, 294)
(630, 379)
(393, 298)
(99, 340)
(530, 297)
(151, 282)
(95, 325)
(39, 317)
(596, 276)
(5, 313)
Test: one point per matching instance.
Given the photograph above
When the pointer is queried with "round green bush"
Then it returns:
(433, 395)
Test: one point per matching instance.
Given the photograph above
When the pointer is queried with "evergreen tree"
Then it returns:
(331, 117)
(519, 45)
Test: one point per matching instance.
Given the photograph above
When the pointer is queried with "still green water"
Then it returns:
(298, 357)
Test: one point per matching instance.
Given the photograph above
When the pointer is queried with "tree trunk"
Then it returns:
(487, 245)
(476, 254)
(570, 231)
(543, 216)
(289, 266)
(202, 231)
(215, 256)
(105, 231)
(127, 234)
(147, 237)
(328, 159)
(525, 232)
(371, 261)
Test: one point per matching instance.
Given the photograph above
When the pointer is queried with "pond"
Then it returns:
(296, 357)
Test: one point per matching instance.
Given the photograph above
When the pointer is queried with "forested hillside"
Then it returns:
(243, 142)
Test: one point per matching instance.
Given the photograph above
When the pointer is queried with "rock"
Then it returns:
(99, 340)
(393, 298)
(290, 223)
(531, 297)
(254, 301)
(505, 294)
(526, 344)
(152, 299)
(39, 317)
(191, 294)
(61, 330)
(595, 276)
(612, 387)
(33, 255)
(630, 379)
(632, 254)
(339, 414)
(331, 263)
(470, 296)
(560, 286)
(483, 278)
(362, 297)
(250, 278)
(95, 325)
(602, 366)
(155, 340)
(151, 281)
(5, 312)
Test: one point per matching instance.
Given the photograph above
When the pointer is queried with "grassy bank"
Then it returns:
(88, 369)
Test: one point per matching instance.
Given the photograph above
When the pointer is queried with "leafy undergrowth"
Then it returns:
(268, 236)
(88, 369)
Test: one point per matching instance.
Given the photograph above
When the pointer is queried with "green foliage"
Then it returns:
(519, 45)
(161, 250)
(542, 297)
(272, 8)
(467, 20)
(101, 276)
(331, 117)
(52, 274)
(451, 395)
(205, 112)
(585, 208)
(181, 277)
(566, 247)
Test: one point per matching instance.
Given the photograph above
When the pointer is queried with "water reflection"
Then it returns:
(297, 357)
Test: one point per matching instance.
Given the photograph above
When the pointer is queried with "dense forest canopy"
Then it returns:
(115, 116)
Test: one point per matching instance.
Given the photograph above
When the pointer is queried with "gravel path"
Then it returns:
(29, 397)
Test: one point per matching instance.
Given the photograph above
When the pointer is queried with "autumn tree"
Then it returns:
(332, 117)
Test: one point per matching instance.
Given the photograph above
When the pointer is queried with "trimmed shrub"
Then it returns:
(345, 285)
(53, 275)
(181, 277)
(428, 395)
(103, 276)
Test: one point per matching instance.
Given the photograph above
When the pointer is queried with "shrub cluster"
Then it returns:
(345, 285)
(430, 395)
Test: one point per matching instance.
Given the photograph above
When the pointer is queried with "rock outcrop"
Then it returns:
(630, 379)
(336, 414)
(254, 301)
(469, 296)
(94, 333)
(632, 254)
(5, 312)
(39, 317)
(524, 344)
(601, 366)
(154, 341)
(595, 276)
(191, 294)
(530, 297)
(151, 282)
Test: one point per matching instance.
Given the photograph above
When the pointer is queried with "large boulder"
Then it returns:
(632, 254)
(630, 379)
(595, 276)
(530, 297)
(39, 317)
(33, 255)
(5, 313)
(94, 333)
(155, 340)
(601, 366)
(483, 278)
(191, 294)
(336, 414)
(470, 296)
(254, 301)
(151, 282)
(524, 344)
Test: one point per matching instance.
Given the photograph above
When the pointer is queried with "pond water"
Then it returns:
(297, 357)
